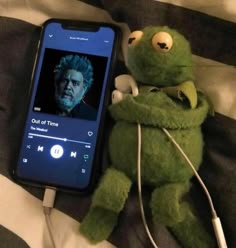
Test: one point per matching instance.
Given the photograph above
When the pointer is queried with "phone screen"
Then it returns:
(66, 106)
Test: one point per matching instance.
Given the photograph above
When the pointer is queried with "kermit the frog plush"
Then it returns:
(160, 61)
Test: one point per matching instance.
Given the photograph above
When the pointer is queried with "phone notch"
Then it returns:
(80, 26)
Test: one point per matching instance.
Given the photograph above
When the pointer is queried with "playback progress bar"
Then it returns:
(57, 138)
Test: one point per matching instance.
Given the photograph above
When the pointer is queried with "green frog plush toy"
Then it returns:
(160, 61)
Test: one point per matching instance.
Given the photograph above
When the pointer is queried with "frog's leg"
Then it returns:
(169, 208)
(107, 202)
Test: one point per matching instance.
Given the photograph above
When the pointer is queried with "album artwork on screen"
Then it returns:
(70, 84)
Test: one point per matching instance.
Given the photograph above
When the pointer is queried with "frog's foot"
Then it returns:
(108, 200)
(192, 233)
(98, 224)
(170, 209)
(166, 206)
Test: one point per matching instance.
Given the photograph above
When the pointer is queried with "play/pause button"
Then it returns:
(56, 151)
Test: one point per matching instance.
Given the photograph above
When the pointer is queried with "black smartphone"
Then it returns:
(62, 136)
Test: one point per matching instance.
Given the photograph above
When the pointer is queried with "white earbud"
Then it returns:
(117, 96)
(124, 84)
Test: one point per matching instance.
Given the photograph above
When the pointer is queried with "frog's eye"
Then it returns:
(134, 38)
(162, 42)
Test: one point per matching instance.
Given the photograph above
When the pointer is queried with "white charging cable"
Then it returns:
(48, 203)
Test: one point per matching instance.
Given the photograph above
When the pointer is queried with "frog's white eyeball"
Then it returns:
(162, 42)
(134, 38)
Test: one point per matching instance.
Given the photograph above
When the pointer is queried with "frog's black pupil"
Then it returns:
(162, 45)
(131, 39)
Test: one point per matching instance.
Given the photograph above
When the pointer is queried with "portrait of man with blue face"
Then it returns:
(73, 78)
(70, 84)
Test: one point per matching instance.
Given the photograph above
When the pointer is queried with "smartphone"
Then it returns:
(62, 136)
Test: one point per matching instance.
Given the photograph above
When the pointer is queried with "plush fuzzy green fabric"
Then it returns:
(158, 109)
(166, 205)
(178, 108)
(114, 185)
(160, 69)
(186, 89)
(161, 162)
(108, 201)
(98, 224)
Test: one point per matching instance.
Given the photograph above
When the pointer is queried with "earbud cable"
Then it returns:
(193, 169)
(219, 233)
(140, 188)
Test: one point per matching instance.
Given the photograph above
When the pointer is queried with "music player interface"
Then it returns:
(49, 157)
(61, 131)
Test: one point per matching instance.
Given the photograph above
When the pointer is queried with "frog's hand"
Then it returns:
(157, 109)
(108, 200)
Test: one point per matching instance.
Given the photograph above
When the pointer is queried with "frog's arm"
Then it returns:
(157, 109)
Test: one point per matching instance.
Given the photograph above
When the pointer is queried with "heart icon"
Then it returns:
(90, 133)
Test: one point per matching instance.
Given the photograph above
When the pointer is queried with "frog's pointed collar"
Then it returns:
(186, 90)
